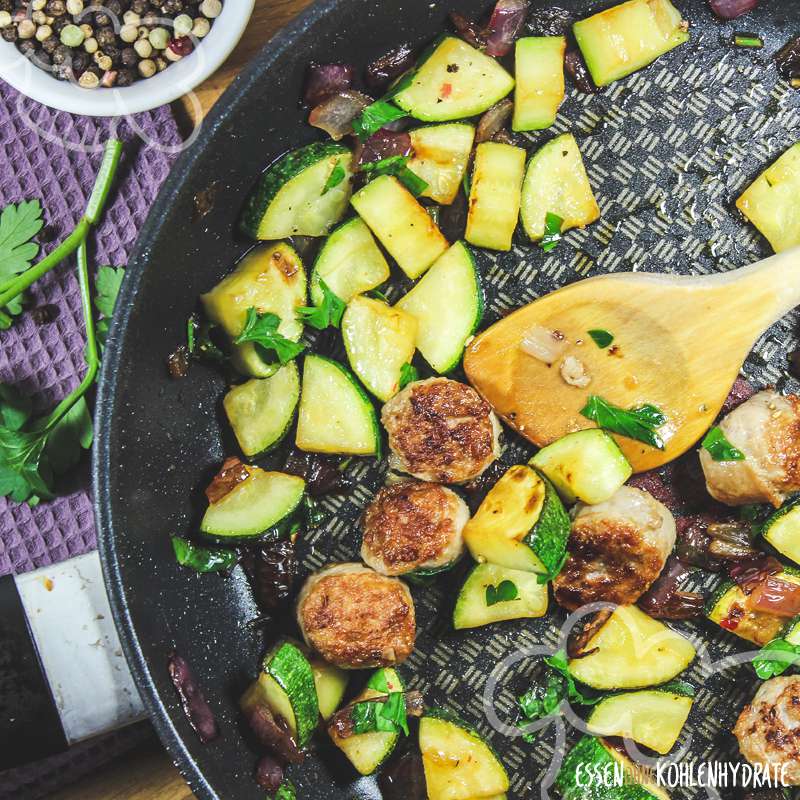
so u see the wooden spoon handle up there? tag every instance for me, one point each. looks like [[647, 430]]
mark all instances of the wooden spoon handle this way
[[764, 291]]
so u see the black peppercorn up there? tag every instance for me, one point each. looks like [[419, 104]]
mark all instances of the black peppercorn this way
[[150, 20], [114, 53], [49, 45], [129, 58], [80, 61], [101, 19], [139, 6], [173, 6], [62, 71], [114, 8], [27, 47], [7, 5], [41, 59], [62, 54], [105, 37], [9, 33], [55, 8], [125, 77], [59, 23]]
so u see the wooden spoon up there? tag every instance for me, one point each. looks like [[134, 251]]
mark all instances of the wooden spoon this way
[[679, 343]]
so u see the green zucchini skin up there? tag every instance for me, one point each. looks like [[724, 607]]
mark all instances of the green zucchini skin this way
[[549, 536], [271, 182], [787, 514], [590, 753]]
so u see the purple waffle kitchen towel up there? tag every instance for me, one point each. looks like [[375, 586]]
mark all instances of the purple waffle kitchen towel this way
[[53, 156]]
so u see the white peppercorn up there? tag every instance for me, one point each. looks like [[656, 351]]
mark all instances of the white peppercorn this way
[[5, 19], [129, 33], [43, 32], [143, 48], [90, 45], [103, 61], [88, 30], [211, 8], [182, 26], [159, 38], [26, 29], [161, 64], [131, 18], [38, 5], [74, 7], [39, 17], [88, 80], [201, 27], [147, 68], [171, 55]]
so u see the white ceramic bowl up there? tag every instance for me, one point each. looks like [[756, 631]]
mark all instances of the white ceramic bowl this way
[[176, 80]]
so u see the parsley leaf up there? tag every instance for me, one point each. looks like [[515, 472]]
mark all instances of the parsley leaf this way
[[19, 223], [324, 315], [15, 408], [382, 714], [262, 329], [408, 374], [719, 447], [502, 593], [639, 423], [544, 700], [107, 284], [377, 294], [601, 337], [286, 791], [548, 576], [397, 166], [202, 559], [335, 178], [72, 432], [552, 231], [374, 117], [775, 658]]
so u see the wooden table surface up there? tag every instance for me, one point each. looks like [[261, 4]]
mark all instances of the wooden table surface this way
[[148, 773]]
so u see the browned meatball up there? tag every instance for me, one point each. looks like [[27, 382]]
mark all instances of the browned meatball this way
[[441, 430], [617, 548], [766, 429], [355, 618], [413, 525], [768, 729]]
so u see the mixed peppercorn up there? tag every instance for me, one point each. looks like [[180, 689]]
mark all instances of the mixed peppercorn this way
[[114, 43]]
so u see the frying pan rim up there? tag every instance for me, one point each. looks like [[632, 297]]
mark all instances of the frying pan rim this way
[[233, 96]]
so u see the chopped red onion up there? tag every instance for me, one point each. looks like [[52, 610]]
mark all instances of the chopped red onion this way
[[504, 26], [494, 120], [324, 80], [468, 30], [336, 114], [269, 774], [273, 736], [748, 574], [579, 72], [775, 596], [194, 704], [663, 600], [384, 144], [389, 66], [731, 9], [544, 344]]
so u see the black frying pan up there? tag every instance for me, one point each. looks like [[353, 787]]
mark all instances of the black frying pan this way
[[668, 150]]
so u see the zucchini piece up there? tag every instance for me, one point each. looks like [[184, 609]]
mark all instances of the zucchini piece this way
[[350, 262], [556, 182], [521, 523], [586, 465], [290, 198], [401, 224], [260, 507], [593, 758], [286, 686], [727, 606], [441, 156], [539, 73], [652, 717], [269, 278], [331, 684], [458, 763], [471, 610], [632, 651], [792, 631], [335, 415], [444, 327], [494, 195], [628, 37], [782, 529], [770, 202], [261, 410], [367, 751], [379, 340], [454, 81]]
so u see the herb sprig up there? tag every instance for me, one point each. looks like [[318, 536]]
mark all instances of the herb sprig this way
[[262, 329], [552, 231], [640, 423], [504, 592], [397, 166], [328, 313], [775, 658], [719, 448], [374, 117]]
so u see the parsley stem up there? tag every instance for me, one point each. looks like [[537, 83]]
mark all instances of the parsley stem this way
[[94, 208], [92, 358]]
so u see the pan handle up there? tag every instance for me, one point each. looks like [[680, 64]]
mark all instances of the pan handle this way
[[63, 677]]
